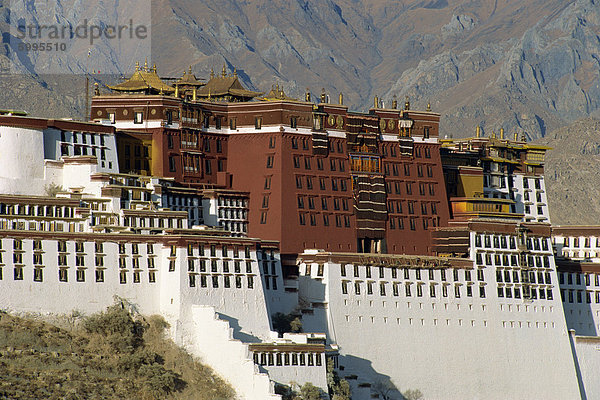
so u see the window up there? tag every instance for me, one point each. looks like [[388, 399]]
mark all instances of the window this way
[[306, 163], [62, 275], [172, 166], [38, 275], [357, 287], [232, 123], [270, 162], [138, 117], [18, 274], [80, 275], [99, 275], [257, 122]]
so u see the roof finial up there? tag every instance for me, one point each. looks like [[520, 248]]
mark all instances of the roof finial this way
[[307, 95], [212, 73], [394, 102], [190, 69], [428, 106], [154, 68], [146, 65], [137, 65], [235, 72], [224, 72], [407, 104]]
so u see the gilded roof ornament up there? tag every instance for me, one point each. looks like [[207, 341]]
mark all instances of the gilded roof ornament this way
[[224, 72], [277, 93], [143, 80], [428, 106], [407, 104], [212, 73], [394, 102]]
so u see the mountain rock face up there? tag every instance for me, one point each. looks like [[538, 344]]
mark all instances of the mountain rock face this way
[[573, 173], [528, 66]]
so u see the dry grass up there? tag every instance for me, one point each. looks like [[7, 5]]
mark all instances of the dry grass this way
[[110, 357]]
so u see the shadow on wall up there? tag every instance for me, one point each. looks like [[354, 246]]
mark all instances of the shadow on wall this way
[[238, 334], [367, 383], [577, 305], [311, 306], [577, 366]]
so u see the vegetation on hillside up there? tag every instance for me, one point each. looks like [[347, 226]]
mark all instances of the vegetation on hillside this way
[[110, 356], [284, 323]]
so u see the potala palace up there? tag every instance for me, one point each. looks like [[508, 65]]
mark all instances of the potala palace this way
[[426, 262]]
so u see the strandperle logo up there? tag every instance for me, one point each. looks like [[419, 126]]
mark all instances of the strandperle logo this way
[[85, 30], [49, 37]]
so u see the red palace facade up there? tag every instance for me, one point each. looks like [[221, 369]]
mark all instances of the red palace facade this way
[[318, 175]]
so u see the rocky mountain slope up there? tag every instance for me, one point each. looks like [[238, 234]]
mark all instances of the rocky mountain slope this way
[[530, 66], [573, 173]]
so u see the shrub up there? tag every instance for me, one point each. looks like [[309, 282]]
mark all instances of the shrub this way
[[160, 381], [121, 331]]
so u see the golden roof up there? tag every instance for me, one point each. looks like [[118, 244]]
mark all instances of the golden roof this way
[[189, 79], [144, 79], [225, 85], [276, 93]]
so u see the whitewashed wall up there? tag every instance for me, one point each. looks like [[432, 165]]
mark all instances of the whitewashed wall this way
[[450, 348]]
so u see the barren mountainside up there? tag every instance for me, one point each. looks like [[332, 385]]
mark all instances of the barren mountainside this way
[[529, 66], [573, 173]]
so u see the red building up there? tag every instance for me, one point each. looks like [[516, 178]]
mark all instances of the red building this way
[[318, 175]]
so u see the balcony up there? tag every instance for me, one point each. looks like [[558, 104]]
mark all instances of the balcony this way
[[369, 164], [464, 208]]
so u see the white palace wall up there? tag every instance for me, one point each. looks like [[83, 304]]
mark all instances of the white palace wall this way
[[21, 160], [51, 295], [587, 349], [449, 347]]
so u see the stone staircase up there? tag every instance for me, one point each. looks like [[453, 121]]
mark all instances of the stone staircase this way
[[211, 339]]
